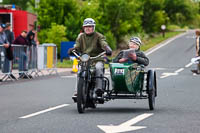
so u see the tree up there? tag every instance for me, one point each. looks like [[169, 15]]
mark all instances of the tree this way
[[55, 34], [21, 3], [120, 17], [153, 15], [180, 12]]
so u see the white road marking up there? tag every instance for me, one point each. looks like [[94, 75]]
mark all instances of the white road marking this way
[[164, 75], [158, 68], [44, 111], [69, 76], [126, 126], [188, 65], [179, 70]]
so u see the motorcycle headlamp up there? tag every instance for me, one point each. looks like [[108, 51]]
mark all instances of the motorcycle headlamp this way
[[85, 57]]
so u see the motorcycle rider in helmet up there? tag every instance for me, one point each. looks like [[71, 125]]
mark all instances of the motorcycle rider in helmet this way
[[92, 43]]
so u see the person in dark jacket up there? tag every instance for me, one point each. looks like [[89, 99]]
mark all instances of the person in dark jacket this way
[[4, 46], [9, 51], [9, 33], [21, 40], [133, 54]]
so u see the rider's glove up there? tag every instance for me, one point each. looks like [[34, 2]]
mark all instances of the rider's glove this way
[[70, 51], [108, 50]]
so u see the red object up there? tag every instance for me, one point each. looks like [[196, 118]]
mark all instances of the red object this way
[[20, 20]]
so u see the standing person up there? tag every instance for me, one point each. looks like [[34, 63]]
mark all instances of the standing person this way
[[10, 37], [33, 49], [92, 43], [21, 40], [9, 33], [197, 32], [4, 42]]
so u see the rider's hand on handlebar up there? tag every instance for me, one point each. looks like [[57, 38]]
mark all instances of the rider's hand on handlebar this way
[[108, 50], [70, 51]]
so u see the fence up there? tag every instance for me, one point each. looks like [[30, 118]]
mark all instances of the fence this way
[[28, 62]]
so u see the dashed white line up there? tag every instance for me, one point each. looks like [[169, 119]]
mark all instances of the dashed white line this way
[[69, 76], [179, 70], [188, 65], [44, 111]]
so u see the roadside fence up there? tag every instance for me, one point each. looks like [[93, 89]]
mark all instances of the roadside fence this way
[[28, 61]]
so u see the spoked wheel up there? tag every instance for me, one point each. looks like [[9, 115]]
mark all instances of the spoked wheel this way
[[151, 88], [81, 96]]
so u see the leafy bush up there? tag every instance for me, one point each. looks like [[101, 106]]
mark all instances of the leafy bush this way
[[111, 40], [55, 35]]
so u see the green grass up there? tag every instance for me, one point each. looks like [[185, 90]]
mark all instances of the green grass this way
[[149, 43], [65, 64]]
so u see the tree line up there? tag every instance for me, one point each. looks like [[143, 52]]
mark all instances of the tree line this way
[[117, 19]]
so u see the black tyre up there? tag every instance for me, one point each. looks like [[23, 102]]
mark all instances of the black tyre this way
[[81, 96], [151, 88]]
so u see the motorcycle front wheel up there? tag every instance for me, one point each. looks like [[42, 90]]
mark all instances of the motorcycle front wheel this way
[[81, 96]]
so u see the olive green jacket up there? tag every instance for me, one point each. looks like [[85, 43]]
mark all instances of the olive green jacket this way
[[91, 44]]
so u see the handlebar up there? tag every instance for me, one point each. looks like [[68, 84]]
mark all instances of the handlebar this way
[[98, 55], [74, 51]]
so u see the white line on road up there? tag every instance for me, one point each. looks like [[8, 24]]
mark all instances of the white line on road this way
[[69, 76], [44, 111], [188, 65], [179, 70]]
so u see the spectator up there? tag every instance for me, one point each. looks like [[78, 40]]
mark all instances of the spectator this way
[[21, 40], [197, 32], [4, 42], [33, 50], [10, 37], [9, 33], [33, 33]]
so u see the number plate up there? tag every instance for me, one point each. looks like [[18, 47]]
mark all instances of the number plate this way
[[119, 71]]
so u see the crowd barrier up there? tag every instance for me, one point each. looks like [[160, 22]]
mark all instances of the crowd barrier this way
[[28, 61]]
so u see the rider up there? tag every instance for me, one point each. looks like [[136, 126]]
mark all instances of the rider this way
[[133, 54], [92, 43]]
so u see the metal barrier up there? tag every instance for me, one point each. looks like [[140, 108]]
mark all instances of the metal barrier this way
[[47, 57], [27, 61]]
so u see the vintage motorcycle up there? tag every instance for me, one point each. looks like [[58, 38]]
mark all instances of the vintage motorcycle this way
[[86, 83], [127, 83]]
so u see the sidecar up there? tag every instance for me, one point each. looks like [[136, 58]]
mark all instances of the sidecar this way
[[133, 81]]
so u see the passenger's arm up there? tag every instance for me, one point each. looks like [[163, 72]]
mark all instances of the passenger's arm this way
[[142, 59]]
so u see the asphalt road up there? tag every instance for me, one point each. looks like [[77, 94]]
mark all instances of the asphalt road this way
[[44, 105]]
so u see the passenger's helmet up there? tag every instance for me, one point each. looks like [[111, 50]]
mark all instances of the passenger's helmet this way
[[89, 22], [136, 40]]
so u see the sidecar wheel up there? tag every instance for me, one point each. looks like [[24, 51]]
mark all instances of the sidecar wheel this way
[[81, 96], [151, 88]]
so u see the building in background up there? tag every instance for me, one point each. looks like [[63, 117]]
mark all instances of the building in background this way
[[19, 19]]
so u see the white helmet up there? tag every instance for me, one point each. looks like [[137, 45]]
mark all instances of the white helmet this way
[[136, 40], [89, 22]]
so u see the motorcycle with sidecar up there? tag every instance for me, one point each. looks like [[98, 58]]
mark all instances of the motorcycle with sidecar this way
[[129, 81]]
